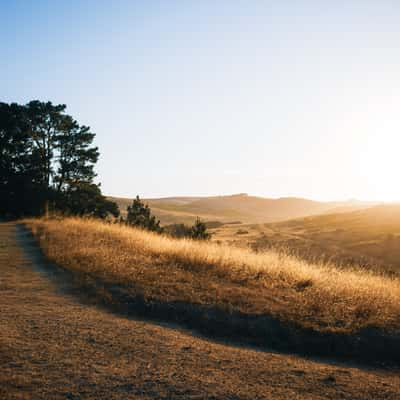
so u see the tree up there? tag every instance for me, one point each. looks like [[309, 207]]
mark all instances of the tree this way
[[139, 214], [199, 230], [47, 158], [86, 199], [21, 191], [64, 149]]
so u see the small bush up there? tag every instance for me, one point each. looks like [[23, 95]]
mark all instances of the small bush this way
[[139, 215], [198, 231], [178, 230]]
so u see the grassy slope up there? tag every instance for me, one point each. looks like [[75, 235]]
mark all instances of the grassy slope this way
[[317, 296], [370, 237]]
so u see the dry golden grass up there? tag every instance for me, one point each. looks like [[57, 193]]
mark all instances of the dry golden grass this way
[[159, 268]]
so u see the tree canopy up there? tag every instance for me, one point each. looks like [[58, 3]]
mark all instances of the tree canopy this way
[[47, 160]]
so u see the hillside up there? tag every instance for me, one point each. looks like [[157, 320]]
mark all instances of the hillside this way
[[238, 207], [270, 299], [370, 237]]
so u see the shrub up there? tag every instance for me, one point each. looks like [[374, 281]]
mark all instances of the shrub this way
[[178, 230], [198, 231], [139, 214]]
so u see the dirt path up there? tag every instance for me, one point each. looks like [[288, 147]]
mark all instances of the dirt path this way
[[54, 345]]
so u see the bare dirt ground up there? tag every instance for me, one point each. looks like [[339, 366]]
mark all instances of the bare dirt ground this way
[[55, 344]]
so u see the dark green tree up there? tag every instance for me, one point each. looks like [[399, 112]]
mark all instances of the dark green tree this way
[[139, 214], [21, 189], [76, 157], [48, 158], [199, 230], [86, 199]]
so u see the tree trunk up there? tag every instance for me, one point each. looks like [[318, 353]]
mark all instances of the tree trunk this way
[[46, 208]]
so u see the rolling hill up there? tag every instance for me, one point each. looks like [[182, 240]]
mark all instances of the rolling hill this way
[[237, 207], [369, 237]]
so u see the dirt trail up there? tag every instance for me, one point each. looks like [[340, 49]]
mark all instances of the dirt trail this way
[[54, 345]]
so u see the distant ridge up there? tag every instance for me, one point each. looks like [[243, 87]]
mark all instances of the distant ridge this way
[[239, 207]]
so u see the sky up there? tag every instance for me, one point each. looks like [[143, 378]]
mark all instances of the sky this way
[[271, 98]]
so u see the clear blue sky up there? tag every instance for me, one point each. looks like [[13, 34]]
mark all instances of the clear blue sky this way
[[273, 98]]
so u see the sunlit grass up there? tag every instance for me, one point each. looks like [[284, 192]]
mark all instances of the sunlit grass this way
[[318, 296]]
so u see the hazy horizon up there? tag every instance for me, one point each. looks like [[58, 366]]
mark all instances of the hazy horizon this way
[[283, 99], [349, 200]]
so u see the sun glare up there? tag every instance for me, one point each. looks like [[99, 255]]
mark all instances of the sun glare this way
[[379, 166]]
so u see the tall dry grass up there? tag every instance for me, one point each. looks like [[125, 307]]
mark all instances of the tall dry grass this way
[[159, 268]]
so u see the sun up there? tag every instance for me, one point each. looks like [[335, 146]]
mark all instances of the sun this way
[[379, 166]]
